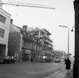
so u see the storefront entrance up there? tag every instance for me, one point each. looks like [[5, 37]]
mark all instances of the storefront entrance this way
[[27, 55]]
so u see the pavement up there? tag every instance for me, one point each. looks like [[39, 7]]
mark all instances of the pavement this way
[[63, 73]]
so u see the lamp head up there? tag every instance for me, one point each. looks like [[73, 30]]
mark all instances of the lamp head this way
[[72, 30]]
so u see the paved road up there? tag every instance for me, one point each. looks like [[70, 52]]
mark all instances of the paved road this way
[[28, 70]]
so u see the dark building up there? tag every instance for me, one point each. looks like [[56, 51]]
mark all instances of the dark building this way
[[15, 42]]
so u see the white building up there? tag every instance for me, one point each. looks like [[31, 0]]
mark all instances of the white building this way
[[5, 18]]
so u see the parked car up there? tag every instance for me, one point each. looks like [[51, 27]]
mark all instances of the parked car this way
[[7, 59], [49, 59], [42, 59], [46, 59], [57, 60]]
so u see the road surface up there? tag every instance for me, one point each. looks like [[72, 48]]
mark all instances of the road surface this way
[[28, 69]]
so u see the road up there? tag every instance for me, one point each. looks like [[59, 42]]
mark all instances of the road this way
[[28, 69]]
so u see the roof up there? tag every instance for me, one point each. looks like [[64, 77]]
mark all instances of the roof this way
[[47, 39], [37, 29], [47, 32]]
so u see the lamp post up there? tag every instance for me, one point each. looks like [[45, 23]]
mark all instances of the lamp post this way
[[68, 36], [72, 28]]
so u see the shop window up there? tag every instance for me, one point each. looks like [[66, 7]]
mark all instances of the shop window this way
[[2, 19], [2, 33]]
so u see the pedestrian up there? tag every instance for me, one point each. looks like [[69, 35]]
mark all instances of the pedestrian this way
[[68, 64]]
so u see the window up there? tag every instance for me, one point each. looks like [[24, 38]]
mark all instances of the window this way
[[2, 32], [2, 19], [42, 33], [36, 32]]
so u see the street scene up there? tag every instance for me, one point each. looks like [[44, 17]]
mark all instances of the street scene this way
[[39, 39]]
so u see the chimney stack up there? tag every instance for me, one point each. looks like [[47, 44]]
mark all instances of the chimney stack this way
[[24, 28]]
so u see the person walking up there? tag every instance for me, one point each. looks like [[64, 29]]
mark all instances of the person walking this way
[[68, 64]]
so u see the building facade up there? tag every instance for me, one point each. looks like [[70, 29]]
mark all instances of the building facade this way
[[29, 45], [46, 53], [36, 44], [5, 18], [15, 42]]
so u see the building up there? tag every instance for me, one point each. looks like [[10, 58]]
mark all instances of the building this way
[[15, 42], [46, 44], [29, 44], [36, 44], [29, 47], [5, 18]]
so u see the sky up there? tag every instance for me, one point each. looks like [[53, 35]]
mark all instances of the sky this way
[[63, 14]]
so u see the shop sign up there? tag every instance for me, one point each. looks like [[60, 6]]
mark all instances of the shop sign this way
[[28, 51]]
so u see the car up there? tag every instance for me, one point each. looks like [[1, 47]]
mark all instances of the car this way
[[8, 59], [46, 59], [57, 60], [49, 59]]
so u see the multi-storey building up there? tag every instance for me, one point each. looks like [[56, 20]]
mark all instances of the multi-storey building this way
[[36, 44], [5, 18], [46, 43]]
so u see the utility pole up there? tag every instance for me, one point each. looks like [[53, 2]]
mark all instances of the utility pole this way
[[76, 61]]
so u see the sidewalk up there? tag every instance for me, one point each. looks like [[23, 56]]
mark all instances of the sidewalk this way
[[61, 74], [69, 74]]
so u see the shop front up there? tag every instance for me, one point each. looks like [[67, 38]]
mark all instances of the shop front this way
[[27, 55]]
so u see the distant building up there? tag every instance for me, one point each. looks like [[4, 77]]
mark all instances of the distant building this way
[[5, 18]]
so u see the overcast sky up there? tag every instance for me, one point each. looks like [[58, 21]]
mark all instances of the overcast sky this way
[[63, 14]]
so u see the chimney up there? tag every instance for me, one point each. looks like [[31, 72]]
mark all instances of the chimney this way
[[11, 21], [24, 28], [0, 4]]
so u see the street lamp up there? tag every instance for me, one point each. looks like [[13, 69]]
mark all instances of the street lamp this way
[[74, 34], [68, 36], [72, 28]]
